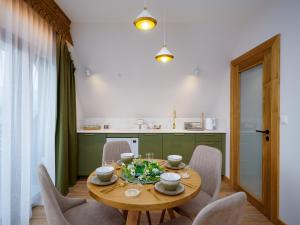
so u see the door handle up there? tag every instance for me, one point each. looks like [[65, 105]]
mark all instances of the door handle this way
[[263, 131]]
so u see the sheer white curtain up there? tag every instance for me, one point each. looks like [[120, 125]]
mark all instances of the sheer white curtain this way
[[27, 108]]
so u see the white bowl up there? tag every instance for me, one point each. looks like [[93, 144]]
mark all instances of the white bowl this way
[[105, 173], [170, 181], [104, 170], [174, 160], [127, 155]]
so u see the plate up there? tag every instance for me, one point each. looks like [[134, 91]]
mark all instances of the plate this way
[[95, 180], [160, 188], [179, 167]]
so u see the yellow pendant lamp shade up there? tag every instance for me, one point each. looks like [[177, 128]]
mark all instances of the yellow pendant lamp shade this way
[[145, 21], [164, 55]]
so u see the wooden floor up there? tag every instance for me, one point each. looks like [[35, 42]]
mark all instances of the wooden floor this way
[[252, 216]]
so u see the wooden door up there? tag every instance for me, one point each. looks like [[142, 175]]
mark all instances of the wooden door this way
[[255, 126]]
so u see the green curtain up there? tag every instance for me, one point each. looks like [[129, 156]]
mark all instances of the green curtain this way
[[66, 133]]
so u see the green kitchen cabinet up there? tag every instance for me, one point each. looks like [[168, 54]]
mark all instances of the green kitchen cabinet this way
[[151, 143], [215, 140], [179, 143], [90, 148]]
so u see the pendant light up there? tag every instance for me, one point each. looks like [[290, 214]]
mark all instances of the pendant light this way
[[145, 21], [164, 55]]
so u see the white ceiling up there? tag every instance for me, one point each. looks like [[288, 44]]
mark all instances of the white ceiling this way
[[183, 11]]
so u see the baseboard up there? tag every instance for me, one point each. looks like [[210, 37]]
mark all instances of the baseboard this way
[[280, 222]]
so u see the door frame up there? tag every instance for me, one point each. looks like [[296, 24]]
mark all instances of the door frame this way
[[252, 58]]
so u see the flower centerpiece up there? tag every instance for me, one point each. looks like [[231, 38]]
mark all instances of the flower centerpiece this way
[[142, 171]]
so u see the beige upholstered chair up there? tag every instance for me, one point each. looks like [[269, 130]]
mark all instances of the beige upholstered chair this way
[[225, 211], [207, 161], [112, 150], [61, 210]]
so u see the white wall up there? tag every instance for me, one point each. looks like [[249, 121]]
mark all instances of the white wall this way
[[128, 83], [283, 17], [146, 88]]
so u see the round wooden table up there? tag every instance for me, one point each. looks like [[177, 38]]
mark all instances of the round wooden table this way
[[148, 200]]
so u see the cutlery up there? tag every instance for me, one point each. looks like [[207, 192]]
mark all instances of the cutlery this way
[[188, 185], [107, 190]]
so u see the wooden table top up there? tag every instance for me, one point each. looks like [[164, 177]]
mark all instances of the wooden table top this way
[[146, 201]]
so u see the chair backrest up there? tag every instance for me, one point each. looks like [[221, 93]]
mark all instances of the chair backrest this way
[[207, 161], [113, 149], [225, 211], [53, 200]]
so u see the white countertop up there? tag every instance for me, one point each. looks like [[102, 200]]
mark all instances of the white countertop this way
[[136, 131]]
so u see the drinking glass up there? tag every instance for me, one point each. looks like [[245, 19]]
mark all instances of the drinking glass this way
[[109, 163], [149, 156]]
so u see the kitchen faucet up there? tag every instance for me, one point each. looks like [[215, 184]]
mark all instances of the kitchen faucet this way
[[174, 119]]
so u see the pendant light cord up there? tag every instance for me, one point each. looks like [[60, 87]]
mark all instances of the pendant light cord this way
[[145, 4], [164, 26]]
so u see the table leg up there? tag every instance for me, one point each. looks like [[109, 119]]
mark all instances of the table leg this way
[[133, 218], [162, 216], [148, 218], [171, 214]]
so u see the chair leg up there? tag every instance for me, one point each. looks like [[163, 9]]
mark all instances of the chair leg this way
[[171, 214], [162, 216], [125, 213], [148, 217]]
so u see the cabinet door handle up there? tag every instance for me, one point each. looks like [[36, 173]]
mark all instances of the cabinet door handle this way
[[208, 134], [179, 134], [150, 134], [89, 134]]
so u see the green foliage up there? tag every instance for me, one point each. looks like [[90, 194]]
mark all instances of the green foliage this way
[[142, 171]]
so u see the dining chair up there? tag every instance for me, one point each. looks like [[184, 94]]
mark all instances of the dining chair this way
[[207, 161], [225, 211], [113, 150], [61, 210]]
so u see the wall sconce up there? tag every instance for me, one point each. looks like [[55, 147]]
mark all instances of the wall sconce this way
[[87, 71], [196, 71]]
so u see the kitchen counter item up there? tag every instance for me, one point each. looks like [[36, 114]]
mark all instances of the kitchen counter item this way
[[194, 126], [91, 127], [210, 123]]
